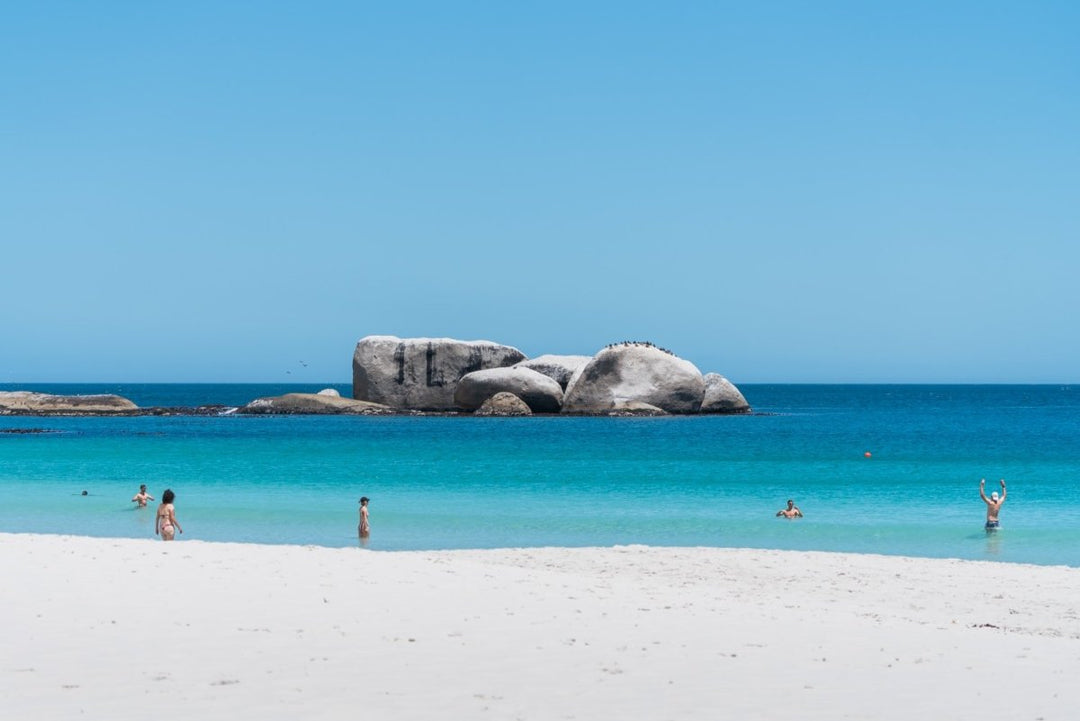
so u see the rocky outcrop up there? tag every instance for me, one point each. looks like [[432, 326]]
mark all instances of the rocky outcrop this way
[[635, 372], [421, 373], [329, 392], [503, 404], [27, 431], [721, 396], [636, 408], [559, 368], [28, 402], [540, 393], [311, 404]]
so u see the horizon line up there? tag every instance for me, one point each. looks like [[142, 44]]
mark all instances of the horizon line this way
[[742, 383]]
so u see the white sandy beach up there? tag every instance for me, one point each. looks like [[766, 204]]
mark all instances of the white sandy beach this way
[[131, 629]]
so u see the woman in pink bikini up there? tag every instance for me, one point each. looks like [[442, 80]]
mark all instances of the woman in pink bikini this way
[[365, 523], [166, 524]]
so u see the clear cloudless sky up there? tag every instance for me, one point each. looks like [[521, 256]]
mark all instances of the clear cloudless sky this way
[[776, 191]]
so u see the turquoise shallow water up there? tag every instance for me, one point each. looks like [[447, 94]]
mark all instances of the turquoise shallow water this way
[[443, 482]]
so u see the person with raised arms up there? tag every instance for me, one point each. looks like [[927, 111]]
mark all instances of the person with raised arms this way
[[993, 505]]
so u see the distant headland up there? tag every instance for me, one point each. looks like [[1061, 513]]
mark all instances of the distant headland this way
[[445, 376]]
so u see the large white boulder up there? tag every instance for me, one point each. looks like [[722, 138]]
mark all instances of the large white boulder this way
[[721, 396], [421, 373], [638, 372], [559, 368], [540, 393]]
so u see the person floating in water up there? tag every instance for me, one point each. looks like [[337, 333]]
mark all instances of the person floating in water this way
[[365, 523], [166, 524], [142, 497], [792, 511], [993, 505]]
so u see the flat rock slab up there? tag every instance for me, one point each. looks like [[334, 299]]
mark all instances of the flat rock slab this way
[[44, 403], [311, 404]]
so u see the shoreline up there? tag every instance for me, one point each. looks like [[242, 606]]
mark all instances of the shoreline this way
[[112, 627], [549, 547], [615, 548]]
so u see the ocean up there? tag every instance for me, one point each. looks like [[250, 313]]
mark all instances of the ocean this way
[[463, 482]]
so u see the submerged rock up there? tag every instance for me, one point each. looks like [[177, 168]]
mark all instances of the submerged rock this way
[[28, 431], [539, 392], [503, 404], [721, 396], [421, 373], [635, 372]]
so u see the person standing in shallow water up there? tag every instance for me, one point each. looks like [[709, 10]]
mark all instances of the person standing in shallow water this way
[[792, 511], [166, 524], [142, 497], [365, 523], [993, 505]]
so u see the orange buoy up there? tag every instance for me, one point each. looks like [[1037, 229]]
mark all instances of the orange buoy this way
[[867, 454]]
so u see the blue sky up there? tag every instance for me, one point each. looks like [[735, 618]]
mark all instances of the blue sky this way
[[777, 191]]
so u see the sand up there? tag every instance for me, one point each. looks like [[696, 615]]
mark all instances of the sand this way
[[131, 629]]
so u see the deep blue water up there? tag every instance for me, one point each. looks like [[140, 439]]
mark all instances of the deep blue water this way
[[461, 482]]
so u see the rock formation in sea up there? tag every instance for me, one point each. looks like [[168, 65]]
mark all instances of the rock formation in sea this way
[[421, 373], [29, 402], [541, 393], [640, 372], [313, 404], [721, 396], [445, 375], [503, 404], [559, 368]]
